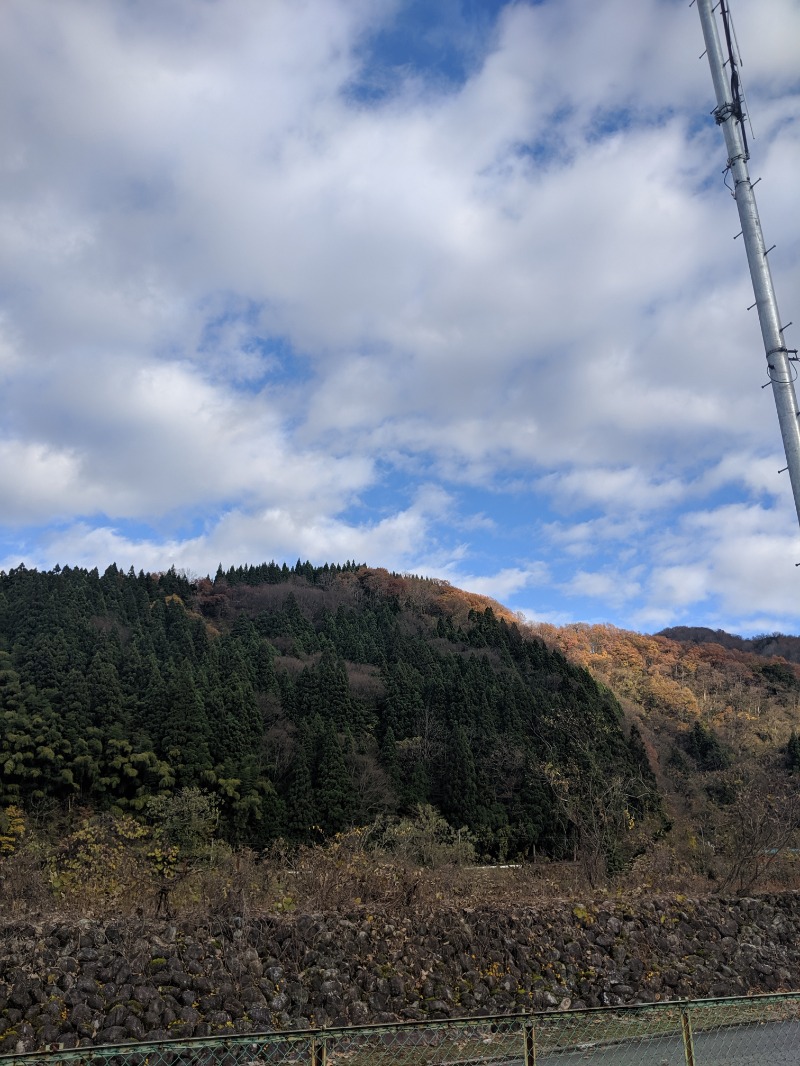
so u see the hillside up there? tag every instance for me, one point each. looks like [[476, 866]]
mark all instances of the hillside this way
[[303, 701], [719, 719], [749, 697], [276, 707], [768, 645]]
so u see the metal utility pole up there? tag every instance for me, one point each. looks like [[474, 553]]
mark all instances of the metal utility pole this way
[[729, 113]]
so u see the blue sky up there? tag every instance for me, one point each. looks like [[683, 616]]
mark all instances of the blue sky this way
[[444, 287]]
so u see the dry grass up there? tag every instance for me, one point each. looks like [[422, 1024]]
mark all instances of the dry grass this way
[[100, 875]]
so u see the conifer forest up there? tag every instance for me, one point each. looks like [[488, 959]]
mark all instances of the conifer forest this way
[[305, 701]]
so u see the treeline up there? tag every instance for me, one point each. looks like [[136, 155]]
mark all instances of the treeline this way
[[273, 573], [768, 644], [305, 701]]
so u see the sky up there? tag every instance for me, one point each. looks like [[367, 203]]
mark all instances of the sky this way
[[448, 288]]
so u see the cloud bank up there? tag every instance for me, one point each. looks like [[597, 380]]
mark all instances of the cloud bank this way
[[457, 297]]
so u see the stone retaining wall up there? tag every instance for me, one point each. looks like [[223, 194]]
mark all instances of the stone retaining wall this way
[[69, 983]]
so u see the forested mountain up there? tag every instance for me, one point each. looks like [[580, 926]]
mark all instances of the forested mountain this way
[[306, 700], [719, 717], [747, 695], [768, 644]]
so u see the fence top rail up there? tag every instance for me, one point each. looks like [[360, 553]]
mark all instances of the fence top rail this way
[[88, 1052]]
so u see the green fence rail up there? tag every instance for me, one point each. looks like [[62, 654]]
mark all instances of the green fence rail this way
[[709, 1032]]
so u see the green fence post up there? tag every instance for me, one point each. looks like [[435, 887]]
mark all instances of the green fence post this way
[[688, 1039], [529, 1039]]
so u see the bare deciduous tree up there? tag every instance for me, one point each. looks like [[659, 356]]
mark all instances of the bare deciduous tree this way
[[757, 827]]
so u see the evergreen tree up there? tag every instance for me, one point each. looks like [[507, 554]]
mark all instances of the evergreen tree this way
[[459, 787], [706, 749], [107, 705], [332, 690], [184, 734], [333, 788], [76, 703], [301, 813], [118, 687]]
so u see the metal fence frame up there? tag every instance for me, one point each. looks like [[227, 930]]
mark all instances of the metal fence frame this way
[[642, 1031]]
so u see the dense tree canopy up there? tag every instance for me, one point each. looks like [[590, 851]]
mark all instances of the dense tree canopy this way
[[303, 699]]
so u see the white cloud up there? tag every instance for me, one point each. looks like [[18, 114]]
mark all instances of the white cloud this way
[[404, 540], [505, 583], [145, 440], [620, 490], [615, 587], [734, 563], [533, 615], [578, 539], [234, 290], [680, 586]]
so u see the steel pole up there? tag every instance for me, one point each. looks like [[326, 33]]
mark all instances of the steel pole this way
[[780, 366]]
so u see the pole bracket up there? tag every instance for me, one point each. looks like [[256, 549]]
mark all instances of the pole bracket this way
[[724, 111]]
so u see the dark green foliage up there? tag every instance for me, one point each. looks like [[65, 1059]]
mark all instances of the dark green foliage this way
[[793, 753], [314, 699], [273, 574], [184, 733], [459, 802], [706, 749], [333, 788], [781, 678], [533, 817], [106, 707], [290, 622], [301, 814]]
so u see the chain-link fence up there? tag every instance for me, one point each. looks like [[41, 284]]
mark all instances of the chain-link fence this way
[[712, 1032]]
